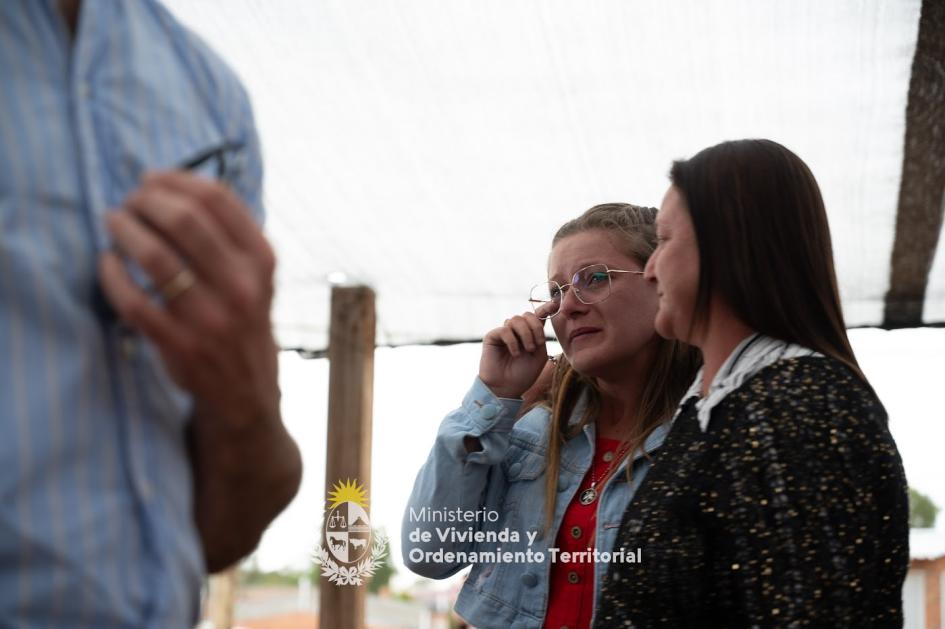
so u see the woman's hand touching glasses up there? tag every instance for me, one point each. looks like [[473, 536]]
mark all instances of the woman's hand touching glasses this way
[[513, 355]]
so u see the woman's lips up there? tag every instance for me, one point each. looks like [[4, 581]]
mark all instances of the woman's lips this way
[[582, 332]]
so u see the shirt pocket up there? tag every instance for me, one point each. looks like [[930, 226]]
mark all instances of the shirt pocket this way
[[522, 463], [524, 469], [521, 511], [210, 156]]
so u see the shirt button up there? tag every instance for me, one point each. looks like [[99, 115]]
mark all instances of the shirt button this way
[[608, 457], [573, 577], [514, 469], [529, 580], [576, 532], [489, 411], [129, 346], [563, 484]]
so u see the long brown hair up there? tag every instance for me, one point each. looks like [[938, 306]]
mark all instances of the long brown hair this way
[[764, 243], [633, 230]]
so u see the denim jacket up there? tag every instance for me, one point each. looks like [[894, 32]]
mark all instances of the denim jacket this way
[[505, 482]]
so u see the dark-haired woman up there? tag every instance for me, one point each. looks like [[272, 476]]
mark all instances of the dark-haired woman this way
[[557, 480], [778, 498]]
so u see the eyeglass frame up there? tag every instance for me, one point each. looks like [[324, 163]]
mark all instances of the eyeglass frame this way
[[577, 292]]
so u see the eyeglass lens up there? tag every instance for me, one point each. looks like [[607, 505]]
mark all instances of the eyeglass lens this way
[[591, 285]]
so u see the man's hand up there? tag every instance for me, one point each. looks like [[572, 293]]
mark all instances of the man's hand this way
[[213, 271], [213, 329]]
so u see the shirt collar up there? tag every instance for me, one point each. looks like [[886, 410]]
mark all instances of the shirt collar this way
[[652, 442], [750, 356]]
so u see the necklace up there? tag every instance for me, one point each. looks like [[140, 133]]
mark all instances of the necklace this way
[[589, 495]]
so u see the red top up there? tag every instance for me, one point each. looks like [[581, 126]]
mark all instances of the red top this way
[[571, 592]]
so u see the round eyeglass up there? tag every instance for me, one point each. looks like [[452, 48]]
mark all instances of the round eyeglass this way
[[591, 285]]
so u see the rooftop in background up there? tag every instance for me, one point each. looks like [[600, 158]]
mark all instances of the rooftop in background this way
[[926, 544]]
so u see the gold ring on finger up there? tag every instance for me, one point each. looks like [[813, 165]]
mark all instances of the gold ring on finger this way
[[178, 285]]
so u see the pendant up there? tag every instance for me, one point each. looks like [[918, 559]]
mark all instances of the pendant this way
[[588, 496]]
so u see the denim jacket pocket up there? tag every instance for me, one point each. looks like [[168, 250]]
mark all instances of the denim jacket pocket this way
[[522, 463], [523, 468]]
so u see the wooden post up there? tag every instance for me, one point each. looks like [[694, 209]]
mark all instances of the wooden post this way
[[921, 203], [220, 598], [350, 406]]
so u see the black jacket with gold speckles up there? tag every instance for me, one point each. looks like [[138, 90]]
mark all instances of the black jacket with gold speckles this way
[[790, 510]]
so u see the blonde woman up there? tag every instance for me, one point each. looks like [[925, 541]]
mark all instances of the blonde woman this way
[[527, 502]]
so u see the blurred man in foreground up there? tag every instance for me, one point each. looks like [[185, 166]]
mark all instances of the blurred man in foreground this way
[[139, 403]]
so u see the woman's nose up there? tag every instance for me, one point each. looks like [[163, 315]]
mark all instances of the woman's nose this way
[[649, 271], [569, 301]]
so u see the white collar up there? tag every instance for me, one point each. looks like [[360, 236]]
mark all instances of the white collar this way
[[749, 357]]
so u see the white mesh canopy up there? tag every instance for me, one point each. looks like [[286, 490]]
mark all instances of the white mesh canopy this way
[[430, 149]]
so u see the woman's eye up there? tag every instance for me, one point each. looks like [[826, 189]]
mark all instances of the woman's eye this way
[[597, 277]]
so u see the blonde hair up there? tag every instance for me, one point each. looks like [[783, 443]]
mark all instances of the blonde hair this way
[[673, 369]]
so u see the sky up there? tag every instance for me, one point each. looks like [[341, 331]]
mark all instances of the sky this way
[[416, 386]]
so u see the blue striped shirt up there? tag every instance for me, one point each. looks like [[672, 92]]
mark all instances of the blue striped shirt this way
[[96, 514]]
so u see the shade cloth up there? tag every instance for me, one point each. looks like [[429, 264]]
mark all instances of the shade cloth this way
[[430, 149]]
